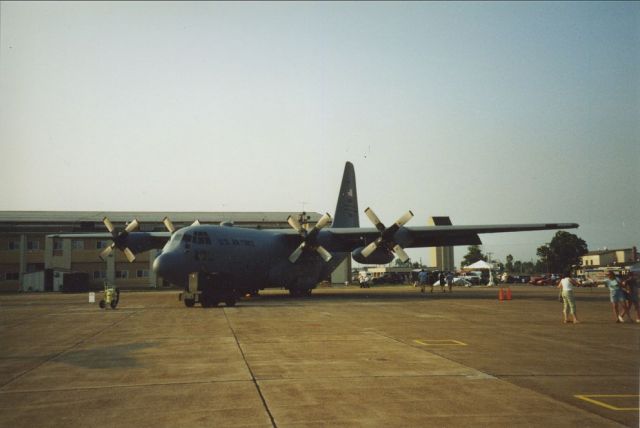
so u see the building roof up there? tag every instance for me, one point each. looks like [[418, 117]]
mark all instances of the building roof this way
[[142, 216], [54, 221], [601, 252]]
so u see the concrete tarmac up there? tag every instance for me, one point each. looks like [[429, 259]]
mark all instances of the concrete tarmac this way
[[386, 356]]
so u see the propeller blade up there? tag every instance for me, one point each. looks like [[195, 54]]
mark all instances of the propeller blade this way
[[404, 219], [400, 253], [326, 256], [169, 225], [293, 222], [132, 226], [196, 223], [108, 224], [324, 220], [374, 219], [296, 253], [105, 253], [366, 251], [129, 254]]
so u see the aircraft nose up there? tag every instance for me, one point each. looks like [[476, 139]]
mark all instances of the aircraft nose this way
[[163, 264]]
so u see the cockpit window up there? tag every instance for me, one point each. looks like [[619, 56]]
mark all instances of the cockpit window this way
[[187, 241], [201, 238]]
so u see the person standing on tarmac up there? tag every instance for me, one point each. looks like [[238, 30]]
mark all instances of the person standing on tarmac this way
[[615, 294], [449, 281], [630, 287], [568, 300], [442, 280], [423, 277]]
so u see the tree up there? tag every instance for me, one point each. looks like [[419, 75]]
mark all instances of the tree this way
[[474, 254], [400, 263], [509, 265], [528, 268], [562, 252], [517, 266]]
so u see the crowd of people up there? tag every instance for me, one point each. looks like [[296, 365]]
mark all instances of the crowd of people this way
[[623, 292], [425, 279], [623, 295]]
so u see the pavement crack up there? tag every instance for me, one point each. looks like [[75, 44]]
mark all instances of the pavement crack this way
[[253, 377]]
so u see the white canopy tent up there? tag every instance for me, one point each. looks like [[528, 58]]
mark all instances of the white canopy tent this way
[[481, 264]]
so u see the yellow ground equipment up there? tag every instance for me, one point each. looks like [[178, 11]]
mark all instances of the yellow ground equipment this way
[[111, 296]]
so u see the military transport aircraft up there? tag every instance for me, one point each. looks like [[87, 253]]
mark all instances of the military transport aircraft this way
[[217, 263]]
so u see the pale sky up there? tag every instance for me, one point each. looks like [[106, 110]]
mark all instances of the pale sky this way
[[490, 113]]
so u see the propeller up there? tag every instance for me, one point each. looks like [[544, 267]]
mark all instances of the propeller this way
[[386, 235], [169, 225], [309, 238], [119, 239]]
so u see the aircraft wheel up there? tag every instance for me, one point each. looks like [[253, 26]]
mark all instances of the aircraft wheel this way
[[113, 304], [189, 302], [102, 304]]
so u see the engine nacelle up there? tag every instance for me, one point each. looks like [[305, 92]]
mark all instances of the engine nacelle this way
[[381, 256]]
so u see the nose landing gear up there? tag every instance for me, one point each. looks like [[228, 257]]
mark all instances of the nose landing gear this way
[[208, 290]]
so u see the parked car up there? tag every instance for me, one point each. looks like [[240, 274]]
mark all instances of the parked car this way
[[473, 279], [388, 278], [542, 280]]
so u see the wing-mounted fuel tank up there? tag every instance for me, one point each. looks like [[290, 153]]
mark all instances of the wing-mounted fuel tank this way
[[380, 256]]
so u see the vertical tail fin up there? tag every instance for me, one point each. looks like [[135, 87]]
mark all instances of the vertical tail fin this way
[[347, 208]]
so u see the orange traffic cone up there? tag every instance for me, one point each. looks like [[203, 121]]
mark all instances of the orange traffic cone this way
[[508, 293], [500, 295]]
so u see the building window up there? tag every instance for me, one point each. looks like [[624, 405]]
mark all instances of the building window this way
[[100, 244], [57, 245], [13, 245], [99, 274], [122, 274], [12, 276], [33, 245], [77, 244], [142, 273]]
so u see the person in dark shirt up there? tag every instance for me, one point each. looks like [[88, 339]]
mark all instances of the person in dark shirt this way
[[630, 291]]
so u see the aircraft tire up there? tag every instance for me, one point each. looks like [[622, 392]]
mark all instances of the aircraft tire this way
[[189, 302], [113, 304], [102, 304]]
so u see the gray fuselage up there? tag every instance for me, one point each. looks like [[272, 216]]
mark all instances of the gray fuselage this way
[[248, 259]]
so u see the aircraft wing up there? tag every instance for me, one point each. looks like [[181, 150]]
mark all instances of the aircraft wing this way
[[348, 239], [160, 236], [137, 242]]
